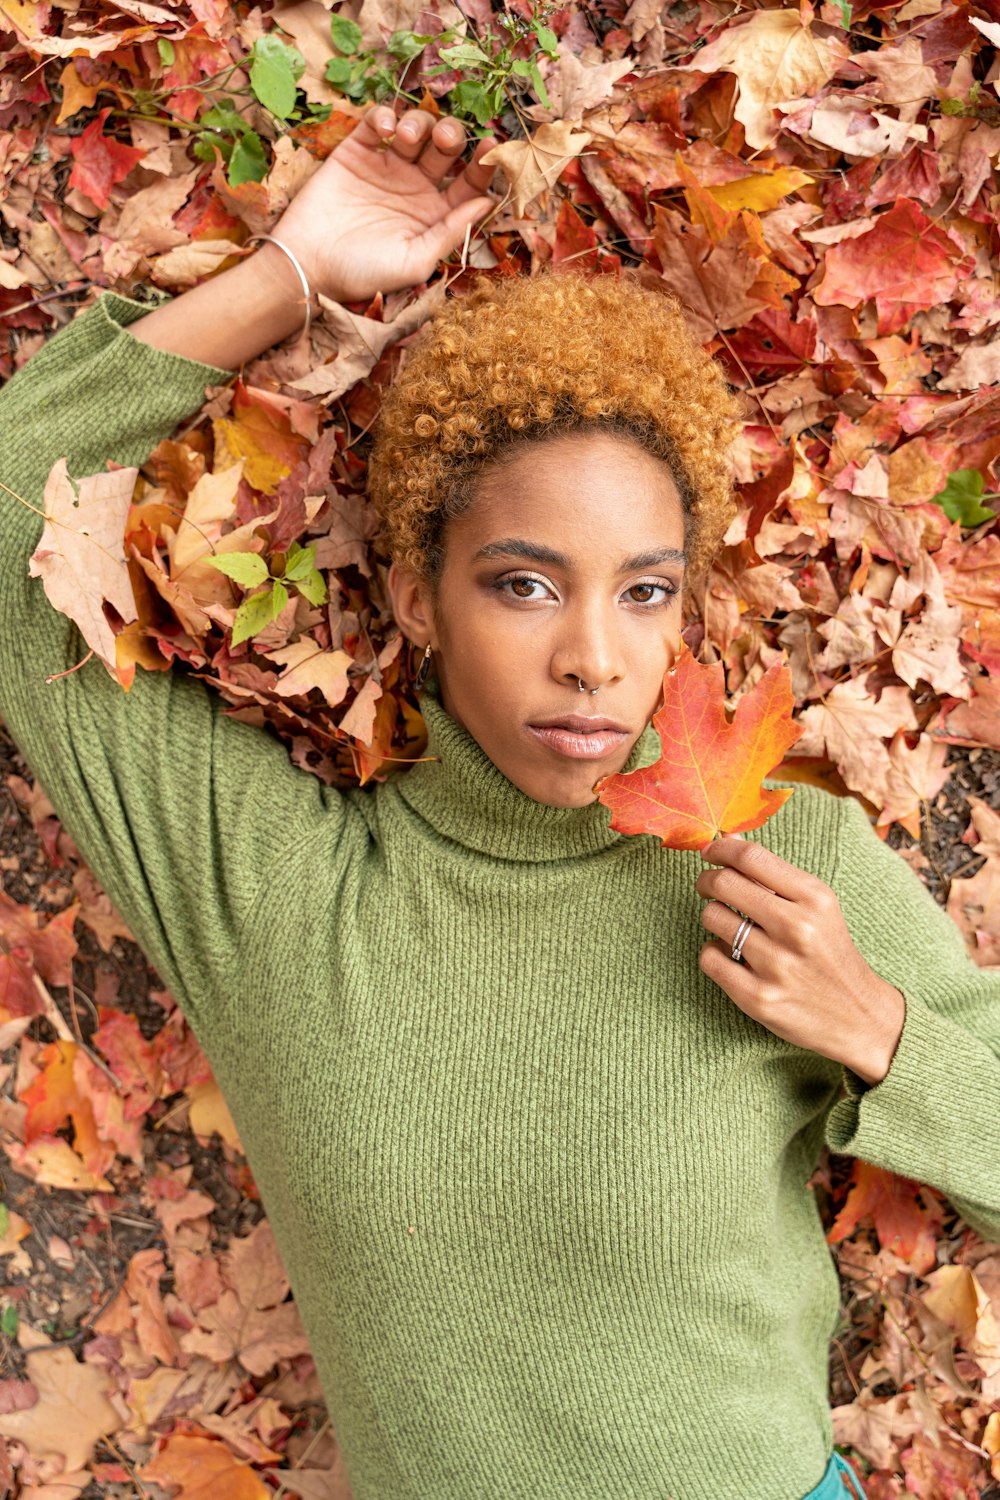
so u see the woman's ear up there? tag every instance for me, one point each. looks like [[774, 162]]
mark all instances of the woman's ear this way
[[412, 606]]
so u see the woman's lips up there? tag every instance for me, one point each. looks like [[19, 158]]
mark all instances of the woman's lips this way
[[578, 744]]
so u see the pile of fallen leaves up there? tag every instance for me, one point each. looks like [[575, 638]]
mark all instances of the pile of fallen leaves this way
[[818, 187]]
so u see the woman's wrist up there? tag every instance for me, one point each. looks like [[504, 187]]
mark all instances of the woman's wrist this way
[[234, 316]]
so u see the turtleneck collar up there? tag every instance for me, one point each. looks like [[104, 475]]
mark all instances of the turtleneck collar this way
[[464, 797]]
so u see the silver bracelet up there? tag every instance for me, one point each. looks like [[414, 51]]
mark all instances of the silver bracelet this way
[[306, 289]]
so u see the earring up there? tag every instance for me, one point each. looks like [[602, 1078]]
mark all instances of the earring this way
[[423, 669]]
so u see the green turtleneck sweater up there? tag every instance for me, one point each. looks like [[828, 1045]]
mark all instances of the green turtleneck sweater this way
[[539, 1185]]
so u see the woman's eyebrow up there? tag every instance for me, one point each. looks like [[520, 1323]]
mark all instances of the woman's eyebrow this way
[[653, 559], [512, 546]]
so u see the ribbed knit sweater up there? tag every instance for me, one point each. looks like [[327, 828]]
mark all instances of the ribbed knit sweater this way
[[539, 1185]]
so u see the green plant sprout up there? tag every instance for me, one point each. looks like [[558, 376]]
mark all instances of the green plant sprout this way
[[249, 570], [489, 63], [491, 73]]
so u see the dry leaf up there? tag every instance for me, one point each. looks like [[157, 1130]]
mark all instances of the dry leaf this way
[[199, 1468], [533, 164], [72, 1411], [777, 60], [79, 557]]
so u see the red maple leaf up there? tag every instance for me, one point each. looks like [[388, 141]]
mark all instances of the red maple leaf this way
[[908, 262], [99, 161], [708, 778]]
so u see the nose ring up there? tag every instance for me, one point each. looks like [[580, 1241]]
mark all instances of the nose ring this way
[[583, 689]]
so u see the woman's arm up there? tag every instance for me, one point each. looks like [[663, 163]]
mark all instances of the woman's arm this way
[[868, 971], [172, 803]]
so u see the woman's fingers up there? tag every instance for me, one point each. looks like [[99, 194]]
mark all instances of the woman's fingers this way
[[444, 146], [724, 923], [474, 182], [738, 891], [413, 129], [375, 127], [760, 864]]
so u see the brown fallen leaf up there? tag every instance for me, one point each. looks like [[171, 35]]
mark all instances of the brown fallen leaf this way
[[974, 900], [913, 781], [531, 165], [251, 1321], [849, 726], [306, 667], [361, 342], [80, 558], [776, 60], [72, 1411]]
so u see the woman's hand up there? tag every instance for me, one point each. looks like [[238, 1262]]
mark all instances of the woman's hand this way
[[800, 974], [375, 217]]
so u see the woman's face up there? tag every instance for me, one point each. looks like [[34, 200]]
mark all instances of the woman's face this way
[[568, 564]]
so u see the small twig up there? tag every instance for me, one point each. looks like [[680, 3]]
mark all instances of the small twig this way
[[282, 1487], [109, 1443], [847, 1365], [55, 1018], [81, 1212], [52, 1012], [45, 297]]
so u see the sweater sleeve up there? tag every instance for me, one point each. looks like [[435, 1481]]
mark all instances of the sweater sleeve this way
[[935, 1117], [180, 810]]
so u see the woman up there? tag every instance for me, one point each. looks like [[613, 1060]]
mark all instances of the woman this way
[[534, 1137]]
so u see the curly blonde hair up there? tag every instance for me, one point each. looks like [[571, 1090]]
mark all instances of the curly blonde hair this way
[[529, 358]]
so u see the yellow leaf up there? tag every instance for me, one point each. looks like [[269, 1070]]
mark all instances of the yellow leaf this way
[[260, 434], [761, 191], [991, 1442], [132, 647], [211, 502], [210, 1113], [24, 15]]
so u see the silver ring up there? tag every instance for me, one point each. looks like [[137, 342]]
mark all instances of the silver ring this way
[[740, 938], [583, 689]]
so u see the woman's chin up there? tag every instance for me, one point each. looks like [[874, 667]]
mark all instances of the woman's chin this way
[[569, 784]]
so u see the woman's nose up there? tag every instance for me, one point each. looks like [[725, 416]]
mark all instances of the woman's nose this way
[[590, 652]]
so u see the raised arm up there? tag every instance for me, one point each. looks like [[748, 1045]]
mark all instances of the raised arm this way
[[172, 803], [375, 217]]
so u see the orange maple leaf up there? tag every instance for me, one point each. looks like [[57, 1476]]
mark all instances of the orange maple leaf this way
[[199, 1468], [708, 778], [52, 1096]]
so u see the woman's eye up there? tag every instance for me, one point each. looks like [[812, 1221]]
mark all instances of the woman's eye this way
[[521, 588], [642, 593]]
